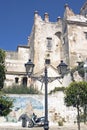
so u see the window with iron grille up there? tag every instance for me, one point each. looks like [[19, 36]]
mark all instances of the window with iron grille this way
[[49, 43]]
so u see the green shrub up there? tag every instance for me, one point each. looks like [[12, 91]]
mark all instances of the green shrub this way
[[20, 90], [6, 104], [60, 123]]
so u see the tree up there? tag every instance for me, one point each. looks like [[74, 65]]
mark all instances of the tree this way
[[6, 104], [76, 96], [74, 89], [2, 68]]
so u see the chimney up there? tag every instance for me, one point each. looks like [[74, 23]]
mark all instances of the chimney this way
[[35, 14], [59, 19], [46, 17], [66, 5]]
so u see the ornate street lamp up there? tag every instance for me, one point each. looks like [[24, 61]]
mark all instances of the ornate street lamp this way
[[62, 68], [29, 68]]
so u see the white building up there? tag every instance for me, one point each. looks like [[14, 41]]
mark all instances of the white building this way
[[65, 39]]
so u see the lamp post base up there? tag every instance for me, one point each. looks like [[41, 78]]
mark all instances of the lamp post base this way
[[46, 125]]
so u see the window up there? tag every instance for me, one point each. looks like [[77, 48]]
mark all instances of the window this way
[[85, 34], [47, 61], [49, 43], [64, 40], [16, 80], [24, 81], [58, 34]]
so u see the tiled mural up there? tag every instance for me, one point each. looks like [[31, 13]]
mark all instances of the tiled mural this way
[[25, 104], [29, 104]]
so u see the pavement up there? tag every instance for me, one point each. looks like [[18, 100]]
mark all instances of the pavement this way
[[11, 126]]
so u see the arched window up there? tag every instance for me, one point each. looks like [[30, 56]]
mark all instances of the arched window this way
[[58, 34]]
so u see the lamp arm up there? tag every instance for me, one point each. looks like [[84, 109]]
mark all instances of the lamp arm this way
[[50, 79], [39, 78]]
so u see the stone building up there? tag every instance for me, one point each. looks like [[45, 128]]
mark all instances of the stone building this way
[[65, 39]]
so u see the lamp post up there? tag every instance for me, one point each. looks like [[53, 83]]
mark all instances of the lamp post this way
[[78, 116], [85, 70], [62, 67], [85, 79]]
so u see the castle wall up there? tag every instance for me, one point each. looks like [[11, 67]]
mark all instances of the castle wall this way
[[44, 31], [65, 39], [75, 36], [11, 55], [15, 65], [31, 44], [77, 40], [65, 45]]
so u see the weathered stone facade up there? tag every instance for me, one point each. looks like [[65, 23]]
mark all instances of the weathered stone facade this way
[[65, 39], [15, 73]]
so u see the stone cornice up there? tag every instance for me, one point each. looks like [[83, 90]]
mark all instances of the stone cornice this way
[[77, 23], [15, 73], [23, 46]]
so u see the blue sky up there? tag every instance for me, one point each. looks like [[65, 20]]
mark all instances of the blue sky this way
[[16, 18]]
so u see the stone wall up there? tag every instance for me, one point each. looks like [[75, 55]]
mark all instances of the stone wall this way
[[35, 103], [75, 32], [42, 31], [15, 65]]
